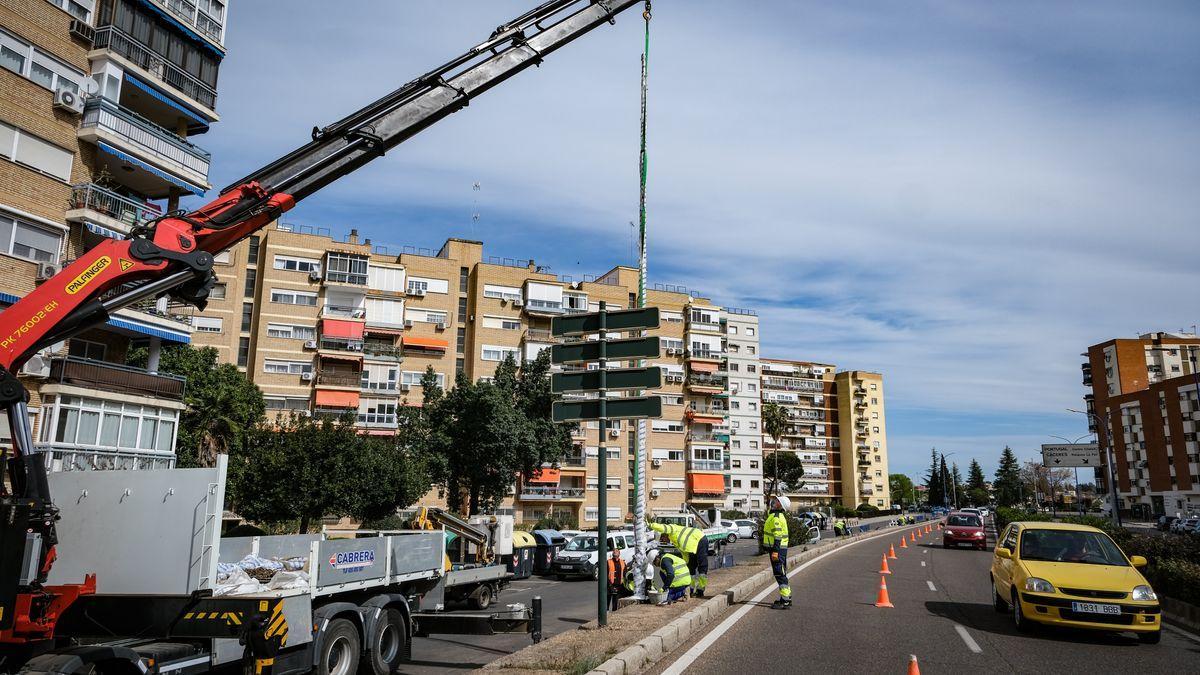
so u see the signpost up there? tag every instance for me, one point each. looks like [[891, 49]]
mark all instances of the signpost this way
[[1071, 455], [601, 381]]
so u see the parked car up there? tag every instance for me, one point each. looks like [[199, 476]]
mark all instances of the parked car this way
[[963, 527], [972, 511], [1184, 524], [570, 534], [1073, 576], [741, 529], [579, 558], [1165, 522], [984, 511]]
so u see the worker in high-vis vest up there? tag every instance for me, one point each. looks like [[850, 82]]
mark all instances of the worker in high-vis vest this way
[[693, 545], [775, 542], [675, 576]]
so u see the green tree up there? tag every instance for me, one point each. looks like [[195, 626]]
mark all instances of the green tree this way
[[222, 405], [977, 494], [901, 488], [1007, 486], [934, 480], [783, 467], [775, 423], [957, 493]]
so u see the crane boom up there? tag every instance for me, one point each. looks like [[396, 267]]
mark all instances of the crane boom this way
[[174, 256]]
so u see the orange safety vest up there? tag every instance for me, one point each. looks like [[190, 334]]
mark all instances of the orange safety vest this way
[[615, 572]]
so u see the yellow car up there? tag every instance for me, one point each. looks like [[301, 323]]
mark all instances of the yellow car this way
[[1074, 576]]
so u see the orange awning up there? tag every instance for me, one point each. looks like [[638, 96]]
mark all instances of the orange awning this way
[[376, 330], [335, 328], [425, 343], [353, 358], [706, 483], [337, 399], [544, 476], [700, 367]]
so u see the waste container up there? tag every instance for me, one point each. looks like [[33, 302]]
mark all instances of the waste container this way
[[548, 544], [521, 562]]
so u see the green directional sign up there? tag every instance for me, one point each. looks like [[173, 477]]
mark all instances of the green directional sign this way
[[595, 380], [613, 408], [613, 350], [617, 321]]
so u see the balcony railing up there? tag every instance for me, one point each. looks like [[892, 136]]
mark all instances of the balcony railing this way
[[116, 377], [186, 11], [711, 354], [341, 345], [706, 381], [539, 335], [573, 460], [382, 351], [530, 492], [702, 437], [377, 421], [66, 457], [707, 465], [338, 379], [545, 306], [148, 137], [108, 203], [110, 37], [710, 410], [343, 312]]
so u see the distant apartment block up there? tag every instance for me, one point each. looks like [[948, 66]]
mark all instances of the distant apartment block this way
[[1143, 392], [102, 100]]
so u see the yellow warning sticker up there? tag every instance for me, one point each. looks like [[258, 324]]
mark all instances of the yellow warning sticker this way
[[87, 276], [125, 264]]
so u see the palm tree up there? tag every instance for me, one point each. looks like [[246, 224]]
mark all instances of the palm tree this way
[[775, 423]]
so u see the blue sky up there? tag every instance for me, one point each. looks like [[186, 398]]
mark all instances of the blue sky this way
[[962, 196]]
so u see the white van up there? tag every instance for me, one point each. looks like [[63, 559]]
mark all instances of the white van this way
[[579, 557]]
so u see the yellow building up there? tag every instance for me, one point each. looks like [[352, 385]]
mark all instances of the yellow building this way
[[863, 436]]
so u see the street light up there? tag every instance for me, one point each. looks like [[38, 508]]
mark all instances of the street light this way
[[1112, 475], [1078, 502]]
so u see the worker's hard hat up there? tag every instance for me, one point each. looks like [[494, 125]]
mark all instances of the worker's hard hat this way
[[780, 502], [652, 555]]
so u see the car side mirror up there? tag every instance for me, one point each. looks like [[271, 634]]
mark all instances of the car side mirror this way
[[1137, 561], [1002, 552]]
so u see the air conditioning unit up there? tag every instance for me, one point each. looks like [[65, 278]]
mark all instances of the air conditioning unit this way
[[419, 292], [405, 387], [656, 463], [654, 494], [72, 102], [615, 433], [408, 323], [46, 270], [311, 344], [36, 366], [518, 303], [314, 275], [82, 30], [307, 377], [440, 326]]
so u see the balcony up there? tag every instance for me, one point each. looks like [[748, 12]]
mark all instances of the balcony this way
[[341, 346], [160, 159], [115, 377], [864, 460], [539, 493], [185, 11], [1087, 374], [100, 206], [377, 421], [67, 457], [343, 312], [538, 335], [707, 465], [709, 438], [573, 461], [335, 378], [706, 383], [388, 352], [548, 307], [119, 42], [860, 404]]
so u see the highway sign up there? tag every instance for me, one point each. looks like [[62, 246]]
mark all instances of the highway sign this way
[[614, 350], [1073, 454], [613, 408], [595, 380], [617, 321]]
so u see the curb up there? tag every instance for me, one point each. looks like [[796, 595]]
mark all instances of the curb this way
[[1181, 614], [645, 653]]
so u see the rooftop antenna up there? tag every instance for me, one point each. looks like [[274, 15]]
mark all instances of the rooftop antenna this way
[[475, 187]]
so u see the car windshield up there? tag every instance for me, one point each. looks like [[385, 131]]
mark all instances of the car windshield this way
[[1089, 548], [582, 543], [961, 520]]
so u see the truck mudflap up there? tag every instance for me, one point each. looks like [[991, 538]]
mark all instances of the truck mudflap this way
[[515, 619]]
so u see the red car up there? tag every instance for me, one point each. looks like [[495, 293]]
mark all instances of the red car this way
[[964, 528]]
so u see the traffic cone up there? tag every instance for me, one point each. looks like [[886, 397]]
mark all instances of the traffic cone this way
[[902, 544], [914, 536], [927, 530], [920, 535], [882, 599], [891, 552], [913, 668], [884, 568]]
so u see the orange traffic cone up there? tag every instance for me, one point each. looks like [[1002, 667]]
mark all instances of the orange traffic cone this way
[[914, 536], [913, 668], [884, 568], [902, 544], [920, 535], [927, 530], [882, 599], [891, 552]]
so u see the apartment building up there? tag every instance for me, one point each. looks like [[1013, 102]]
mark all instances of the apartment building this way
[[101, 98], [745, 421], [326, 325], [862, 437], [836, 428], [1143, 392]]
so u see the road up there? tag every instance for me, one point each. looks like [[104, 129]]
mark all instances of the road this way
[[943, 614]]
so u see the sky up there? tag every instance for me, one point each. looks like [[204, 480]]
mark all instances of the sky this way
[[962, 196]]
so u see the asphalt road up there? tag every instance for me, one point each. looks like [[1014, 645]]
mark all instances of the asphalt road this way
[[943, 614]]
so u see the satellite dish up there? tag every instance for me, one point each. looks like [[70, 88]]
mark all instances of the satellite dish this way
[[90, 86]]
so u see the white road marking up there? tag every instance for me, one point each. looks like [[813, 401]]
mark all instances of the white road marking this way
[[930, 584], [966, 637], [690, 656]]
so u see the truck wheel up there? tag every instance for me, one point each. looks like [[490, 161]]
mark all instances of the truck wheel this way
[[482, 597], [388, 640], [340, 649]]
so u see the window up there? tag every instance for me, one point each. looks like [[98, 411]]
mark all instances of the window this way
[[416, 314], [279, 367], [31, 151], [874, 401], [462, 310], [461, 341], [753, 405], [81, 10], [464, 279], [207, 324], [751, 368], [374, 412], [591, 513], [287, 331], [750, 330], [737, 483], [737, 463], [666, 425], [376, 377], [733, 330], [875, 429], [412, 378], [751, 387], [86, 349], [874, 415], [252, 250], [286, 296], [750, 349], [346, 269], [874, 386], [27, 61], [286, 403], [243, 352], [671, 317], [754, 464], [502, 292], [753, 445], [290, 264], [31, 242], [251, 280], [737, 444], [666, 455], [753, 424], [753, 484], [217, 292], [423, 285], [460, 366], [497, 353], [247, 316]]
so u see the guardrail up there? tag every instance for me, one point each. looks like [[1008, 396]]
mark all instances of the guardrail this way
[[110, 37], [108, 203], [105, 115], [116, 377]]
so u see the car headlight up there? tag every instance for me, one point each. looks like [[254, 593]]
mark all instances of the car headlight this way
[[978, 534], [1144, 593], [1036, 585]]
